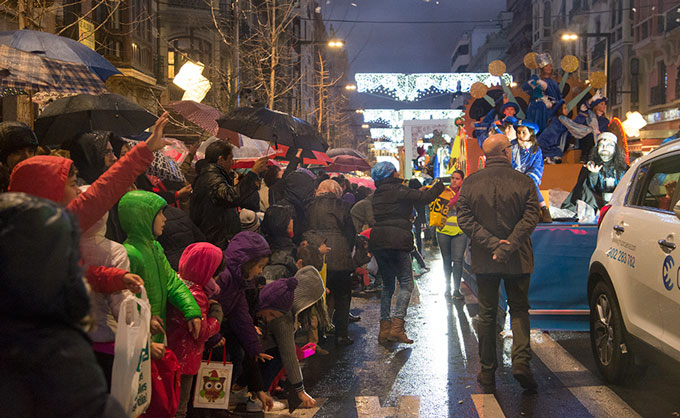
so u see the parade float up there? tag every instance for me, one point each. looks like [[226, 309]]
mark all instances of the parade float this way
[[562, 248]]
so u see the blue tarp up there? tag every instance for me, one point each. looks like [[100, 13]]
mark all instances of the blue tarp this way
[[559, 283]]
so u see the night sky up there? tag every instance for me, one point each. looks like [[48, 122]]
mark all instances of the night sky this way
[[407, 48], [403, 48]]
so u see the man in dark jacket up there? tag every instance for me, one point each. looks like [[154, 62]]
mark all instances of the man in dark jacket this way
[[215, 199], [17, 142], [498, 211], [47, 364], [391, 243]]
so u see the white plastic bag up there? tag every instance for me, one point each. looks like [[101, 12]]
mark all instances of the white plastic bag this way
[[131, 376]]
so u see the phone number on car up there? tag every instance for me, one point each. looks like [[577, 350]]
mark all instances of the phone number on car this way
[[621, 256]]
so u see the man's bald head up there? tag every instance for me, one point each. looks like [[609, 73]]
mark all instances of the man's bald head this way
[[495, 145]]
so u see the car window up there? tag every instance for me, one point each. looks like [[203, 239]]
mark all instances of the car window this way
[[654, 185]]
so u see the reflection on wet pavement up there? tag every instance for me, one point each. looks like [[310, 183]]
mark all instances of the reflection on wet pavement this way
[[436, 376]]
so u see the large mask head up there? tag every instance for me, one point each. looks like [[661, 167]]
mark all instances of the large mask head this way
[[606, 146]]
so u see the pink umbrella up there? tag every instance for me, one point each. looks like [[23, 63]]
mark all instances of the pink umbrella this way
[[347, 163], [360, 181], [205, 117]]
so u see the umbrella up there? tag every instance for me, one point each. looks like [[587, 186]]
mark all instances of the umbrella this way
[[26, 71], [345, 151], [308, 156], [205, 117], [359, 181], [162, 166], [347, 163], [276, 127], [65, 118], [60, 48]]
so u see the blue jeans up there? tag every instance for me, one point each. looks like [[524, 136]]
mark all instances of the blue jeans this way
[[394, 266], [452, 248]]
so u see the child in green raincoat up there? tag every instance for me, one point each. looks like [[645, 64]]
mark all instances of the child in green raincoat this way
[[141, 217]]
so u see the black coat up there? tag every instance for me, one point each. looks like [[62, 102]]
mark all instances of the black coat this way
[[295, 191], [499, 203], [329, 216], [393, 204], [215, 202], [47, 364], [178, 234]]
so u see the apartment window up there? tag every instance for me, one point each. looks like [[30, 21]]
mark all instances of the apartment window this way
[[547, 12], [616, 81], [135, 53], [171, 64]]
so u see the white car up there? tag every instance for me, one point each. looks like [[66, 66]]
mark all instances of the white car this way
[[634, 277]]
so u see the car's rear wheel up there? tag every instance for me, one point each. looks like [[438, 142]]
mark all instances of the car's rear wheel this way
[[608, 336]]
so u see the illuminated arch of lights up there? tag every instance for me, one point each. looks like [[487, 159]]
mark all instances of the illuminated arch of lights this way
[[396, 118], [413, 87]]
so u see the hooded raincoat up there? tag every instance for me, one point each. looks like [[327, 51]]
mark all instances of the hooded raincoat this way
[[245, 246], [47, 365], [137, 211], [46, 175], [197, 267]]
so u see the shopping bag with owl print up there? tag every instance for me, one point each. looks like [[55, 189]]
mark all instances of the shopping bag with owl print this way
[[213, 382], [131, 375]]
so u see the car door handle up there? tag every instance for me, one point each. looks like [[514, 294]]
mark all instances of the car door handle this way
[[666, 244], [619, 228]]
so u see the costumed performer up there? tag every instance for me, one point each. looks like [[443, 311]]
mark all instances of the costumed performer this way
[[527, 158], [591, 114], [543, 91], [599, 177]]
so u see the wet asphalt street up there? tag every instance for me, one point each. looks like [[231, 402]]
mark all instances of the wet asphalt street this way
[[436, 376]]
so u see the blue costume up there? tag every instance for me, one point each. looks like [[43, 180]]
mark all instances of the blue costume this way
[[551, 139], [528, 162], [537, 111]]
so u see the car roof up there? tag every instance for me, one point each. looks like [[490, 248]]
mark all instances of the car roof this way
[[669, 146]]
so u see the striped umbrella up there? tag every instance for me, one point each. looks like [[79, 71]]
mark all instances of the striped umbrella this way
[[27, 71]]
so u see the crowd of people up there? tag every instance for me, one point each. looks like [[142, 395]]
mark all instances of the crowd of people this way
[[240, 260]]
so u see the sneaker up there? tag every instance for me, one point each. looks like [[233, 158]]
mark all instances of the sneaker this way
[[548, 160], [457, 295], [238, 397], [255, 405], [557, 160], [523, 375]]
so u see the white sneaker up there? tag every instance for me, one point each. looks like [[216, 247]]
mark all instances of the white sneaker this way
[[255, 405]]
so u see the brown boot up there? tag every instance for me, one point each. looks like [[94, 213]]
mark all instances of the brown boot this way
[[385, 328], [397, 332]]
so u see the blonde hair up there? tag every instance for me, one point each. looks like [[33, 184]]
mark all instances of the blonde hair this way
[[329, 186]]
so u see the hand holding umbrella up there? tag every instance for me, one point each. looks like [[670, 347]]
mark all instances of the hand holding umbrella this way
[[156, 141]]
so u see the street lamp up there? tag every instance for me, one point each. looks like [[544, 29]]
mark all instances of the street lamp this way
[[333, 43], [350, 87], [569, 36], [365, 126]]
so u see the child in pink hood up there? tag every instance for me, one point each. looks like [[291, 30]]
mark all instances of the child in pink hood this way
[[200, 263]]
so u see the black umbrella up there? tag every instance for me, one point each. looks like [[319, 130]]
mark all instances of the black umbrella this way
[[276, 127], [65, 118]]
